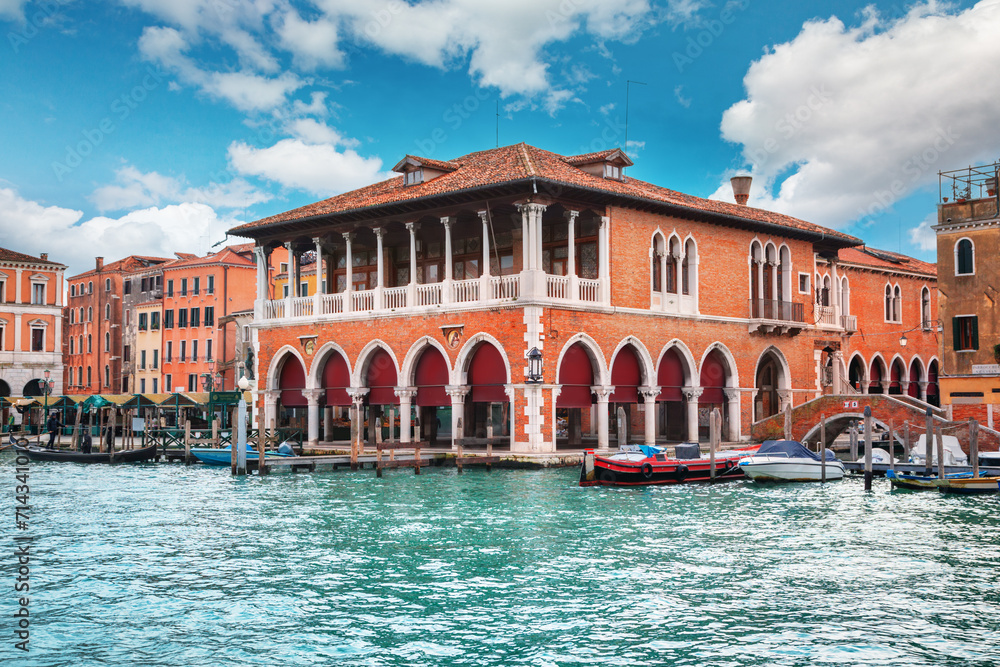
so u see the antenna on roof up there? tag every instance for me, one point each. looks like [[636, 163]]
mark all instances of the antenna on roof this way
[[628, 82], [498, 123]]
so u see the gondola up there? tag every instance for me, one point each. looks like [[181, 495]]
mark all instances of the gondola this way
[[122, 456]]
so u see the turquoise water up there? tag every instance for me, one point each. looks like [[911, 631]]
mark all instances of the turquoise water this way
[[167, 565]]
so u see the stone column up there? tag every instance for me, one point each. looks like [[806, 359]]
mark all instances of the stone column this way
[[784, 399], [357, 395], [17, 287], [261, 257], [318, 295], [649, 395], [289, 280], [405, 395], [328, 422], [904, 387], [411, 288], [380, 270], [923, 391], [457, 394], [533, 284], [448, 267], [691, 396], [574, 290], [485, 292], [312, 415], [838, 365], [271, 397], [349, 282], [602, 393], [733, 409], [663, 277]]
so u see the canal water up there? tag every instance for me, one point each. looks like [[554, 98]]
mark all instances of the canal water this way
[[168, 565]]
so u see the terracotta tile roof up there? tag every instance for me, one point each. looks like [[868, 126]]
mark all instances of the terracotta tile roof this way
[[14, 256], [599, 156], [440, 165], [522, 163], [225, 256], [129, 264], [883, 259]]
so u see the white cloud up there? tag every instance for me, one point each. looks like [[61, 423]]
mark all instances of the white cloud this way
[[845, 121], [679, 94], [12, 9], [313, 43], [244, 90], [316, 168], [923, 236], [312, 131], [134, 188], [186, 227]]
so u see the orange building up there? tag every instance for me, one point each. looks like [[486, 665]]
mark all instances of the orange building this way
[[94, 349], [645, 308], [31, 303], [197, 293]]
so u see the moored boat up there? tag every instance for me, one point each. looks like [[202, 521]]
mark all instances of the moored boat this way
[[790, 461], [120, 456], [962, 482], [223, 457], [644, 465]]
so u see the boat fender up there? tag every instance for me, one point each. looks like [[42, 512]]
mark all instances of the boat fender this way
[[682, 472], [647, 470], [608, 476]]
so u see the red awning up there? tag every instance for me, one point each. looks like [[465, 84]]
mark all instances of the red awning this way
[[431, 376], [336, 379], [487, 376], [626, 377], [576, 375], [381, 379], [875, 376], [713, 379], [291, 382], [670, 376]]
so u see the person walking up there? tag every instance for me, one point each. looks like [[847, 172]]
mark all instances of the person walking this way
[[53, 426]]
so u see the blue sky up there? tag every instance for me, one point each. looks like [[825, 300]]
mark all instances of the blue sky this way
[[152, 126]]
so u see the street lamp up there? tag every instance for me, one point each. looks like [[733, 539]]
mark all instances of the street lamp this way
[[534, 367], [902, 340]]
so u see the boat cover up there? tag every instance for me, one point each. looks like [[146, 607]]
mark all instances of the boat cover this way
[[648, 451], [792, 449]]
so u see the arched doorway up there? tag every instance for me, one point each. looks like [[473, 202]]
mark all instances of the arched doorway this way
[[896, 375], [381, 380], [856, 374], [933, 397], [573, 404], [487, 406], [670, 375], [876, 375], [766, 401], [430, 376], [913, 389], [292, 404], [626, 377], [714, 376], [335, 380], [32, 387]]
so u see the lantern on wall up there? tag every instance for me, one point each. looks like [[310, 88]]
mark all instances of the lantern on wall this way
[[534, 367]]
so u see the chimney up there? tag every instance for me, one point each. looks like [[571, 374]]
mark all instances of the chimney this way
[[100, 263], [741, 188], [44, 256]]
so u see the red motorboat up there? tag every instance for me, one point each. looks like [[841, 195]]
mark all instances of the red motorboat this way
[[643, 465]]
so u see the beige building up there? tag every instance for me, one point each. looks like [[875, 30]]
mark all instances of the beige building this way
[[968, 255], [148, 360]]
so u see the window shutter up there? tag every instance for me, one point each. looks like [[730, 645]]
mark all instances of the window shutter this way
[[975, 332], [956, 333]]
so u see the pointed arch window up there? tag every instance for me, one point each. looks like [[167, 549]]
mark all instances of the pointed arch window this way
[[657, 270]]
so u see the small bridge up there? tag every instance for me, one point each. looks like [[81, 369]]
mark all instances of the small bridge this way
[[841, 410]]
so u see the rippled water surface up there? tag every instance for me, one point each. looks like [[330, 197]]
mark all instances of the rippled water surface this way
[[167, 565]]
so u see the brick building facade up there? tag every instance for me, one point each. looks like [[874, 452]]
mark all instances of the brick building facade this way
[[648, 307]]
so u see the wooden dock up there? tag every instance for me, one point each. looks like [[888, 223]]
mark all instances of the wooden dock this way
[[855, 467]]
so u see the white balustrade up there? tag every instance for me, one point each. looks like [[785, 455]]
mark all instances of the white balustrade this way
[[826, 315], [274, 309], [331, 304], [363, 301], [557, 287], [506, 287], [590, 290], [302, 306], [394, 297], [429, 295], [464, 291]]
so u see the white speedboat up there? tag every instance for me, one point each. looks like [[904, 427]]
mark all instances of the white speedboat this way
[[953, 454], [879, 456], [789, 461]]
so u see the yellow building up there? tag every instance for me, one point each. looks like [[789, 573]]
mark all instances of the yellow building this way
[[148, 355]]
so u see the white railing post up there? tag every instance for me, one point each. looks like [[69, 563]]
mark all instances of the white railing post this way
[[349, 286]]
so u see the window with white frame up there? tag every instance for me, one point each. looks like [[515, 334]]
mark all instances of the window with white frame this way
[[804, 283], [107, 311], [37, 337], [37, 293], [3, 287]]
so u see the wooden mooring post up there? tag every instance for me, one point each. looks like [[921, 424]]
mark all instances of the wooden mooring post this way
[[940, 453], [974, 446], [892, 445], [928, 443], [261, 462], [402, 463], [187, 442], [788, 421], [868, 448], [714, 436], [822, 448], [853, 434], [458, 457], [906, 442]]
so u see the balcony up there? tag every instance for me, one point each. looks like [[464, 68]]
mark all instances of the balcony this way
[[849, 323], [447, 295], [774, 316]]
